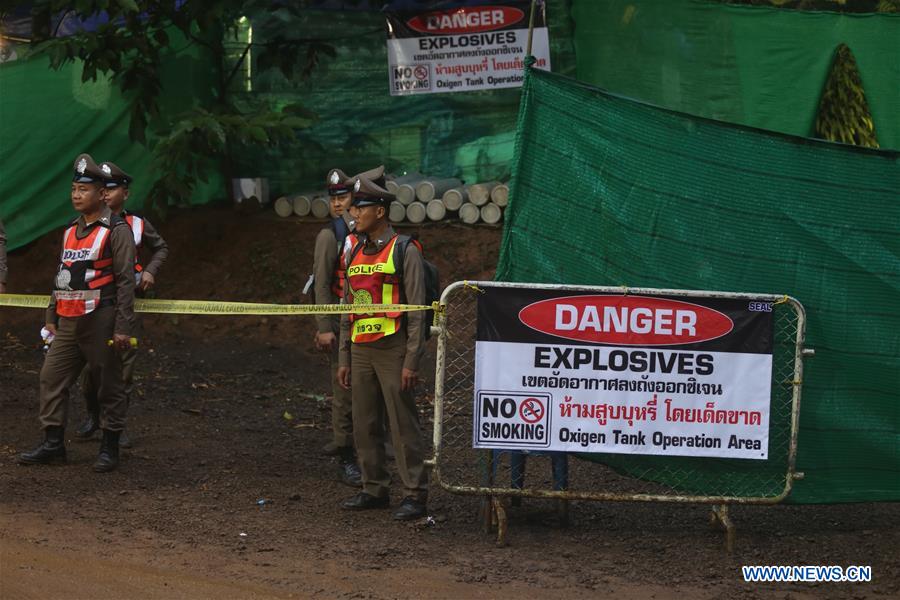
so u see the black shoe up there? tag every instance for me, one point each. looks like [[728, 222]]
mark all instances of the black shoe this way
[[108, 458], [90, 426], [350, 474], [52, 449], [125, 441], [364, 501], [410, 509]]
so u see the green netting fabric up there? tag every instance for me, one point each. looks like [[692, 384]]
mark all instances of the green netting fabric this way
[[609, 191], [49, 117], [757, 66]]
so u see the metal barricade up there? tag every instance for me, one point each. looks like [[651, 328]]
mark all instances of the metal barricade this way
[[461, 469]]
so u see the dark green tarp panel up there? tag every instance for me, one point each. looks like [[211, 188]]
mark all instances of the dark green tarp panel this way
[[758, 66], [646, 197], [49, 117], [469, 135]]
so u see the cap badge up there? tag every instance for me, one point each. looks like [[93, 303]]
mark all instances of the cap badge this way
[[105, 168], [82, 166], [335, 178], [356, 186]]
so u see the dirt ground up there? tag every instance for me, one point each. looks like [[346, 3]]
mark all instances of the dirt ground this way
[[223, 497]]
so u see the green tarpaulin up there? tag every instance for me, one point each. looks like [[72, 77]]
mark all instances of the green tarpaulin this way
[[646, 197], [49, 117], [757, 66]]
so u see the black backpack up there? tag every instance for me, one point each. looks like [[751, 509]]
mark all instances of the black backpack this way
[[432, 276]]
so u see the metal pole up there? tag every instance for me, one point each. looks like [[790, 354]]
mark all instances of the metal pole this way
[[530, 27]]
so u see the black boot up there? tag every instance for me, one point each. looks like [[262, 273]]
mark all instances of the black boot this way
[[53, 448], [87, 429], [108, 459], [350, 473]]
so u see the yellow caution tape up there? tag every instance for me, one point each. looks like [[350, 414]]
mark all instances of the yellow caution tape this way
[[207, 307]]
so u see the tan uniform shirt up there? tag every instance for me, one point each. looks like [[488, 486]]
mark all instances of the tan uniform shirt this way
[[413, 279], [325, 257], [121, 242], [3, 269], [157, 245]]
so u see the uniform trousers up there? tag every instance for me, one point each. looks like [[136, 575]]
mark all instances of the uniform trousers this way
[[377, 367], [83, 341], [341, 406]]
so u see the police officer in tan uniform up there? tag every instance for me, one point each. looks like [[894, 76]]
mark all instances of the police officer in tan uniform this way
[[381, 352], [91, 314], [328, 264], [116, 193]]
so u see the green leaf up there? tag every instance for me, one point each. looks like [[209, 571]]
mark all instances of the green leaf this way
[[129, 5]]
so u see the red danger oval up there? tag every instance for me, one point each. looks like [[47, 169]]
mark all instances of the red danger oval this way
[[469, 19], [626, 320]]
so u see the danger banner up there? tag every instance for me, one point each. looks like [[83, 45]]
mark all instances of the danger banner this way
[[463, 49], [588, 372]]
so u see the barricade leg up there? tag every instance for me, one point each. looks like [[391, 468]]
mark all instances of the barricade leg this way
[[719, 517], [559, 463]]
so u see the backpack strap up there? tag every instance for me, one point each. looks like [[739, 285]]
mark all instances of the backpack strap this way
[[403, 241]]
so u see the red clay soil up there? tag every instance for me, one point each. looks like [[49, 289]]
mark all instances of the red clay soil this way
[[223, 497]]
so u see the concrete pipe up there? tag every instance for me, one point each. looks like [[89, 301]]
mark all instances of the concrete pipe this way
[[428, 190], [500, 195], [454, 198], [469, 213], [319, 207], [491, 213], [284, 206], [435, 210], [406, 193], [302, 204], [396, 212], [480, 193], [415, 212]]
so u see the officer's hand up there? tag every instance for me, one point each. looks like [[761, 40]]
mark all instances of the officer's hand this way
[[408, 379], [343, 377], [325, 341], [147, 281], [50, 327], [121, 341]]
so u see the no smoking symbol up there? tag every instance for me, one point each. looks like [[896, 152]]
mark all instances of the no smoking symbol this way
[[531, 410], [420, 72]]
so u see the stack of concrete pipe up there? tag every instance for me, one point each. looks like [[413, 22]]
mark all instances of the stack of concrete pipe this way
[[418, 199]]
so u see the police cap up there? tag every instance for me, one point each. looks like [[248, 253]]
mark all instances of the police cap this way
[[114, 176], [367, 193], [338, 183], [86, 170]]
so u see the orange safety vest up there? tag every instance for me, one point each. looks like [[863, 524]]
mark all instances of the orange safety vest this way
[[85, 269], [340, 268], [373, 279], [137, 230]]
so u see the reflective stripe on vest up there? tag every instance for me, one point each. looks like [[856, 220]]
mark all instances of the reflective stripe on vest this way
[[337, 280], [85, 267], [137, 230], [373, 279]]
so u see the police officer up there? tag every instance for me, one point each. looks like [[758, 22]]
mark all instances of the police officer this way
[[382, 352], [328, 273], [91, 313], [116, 193]]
